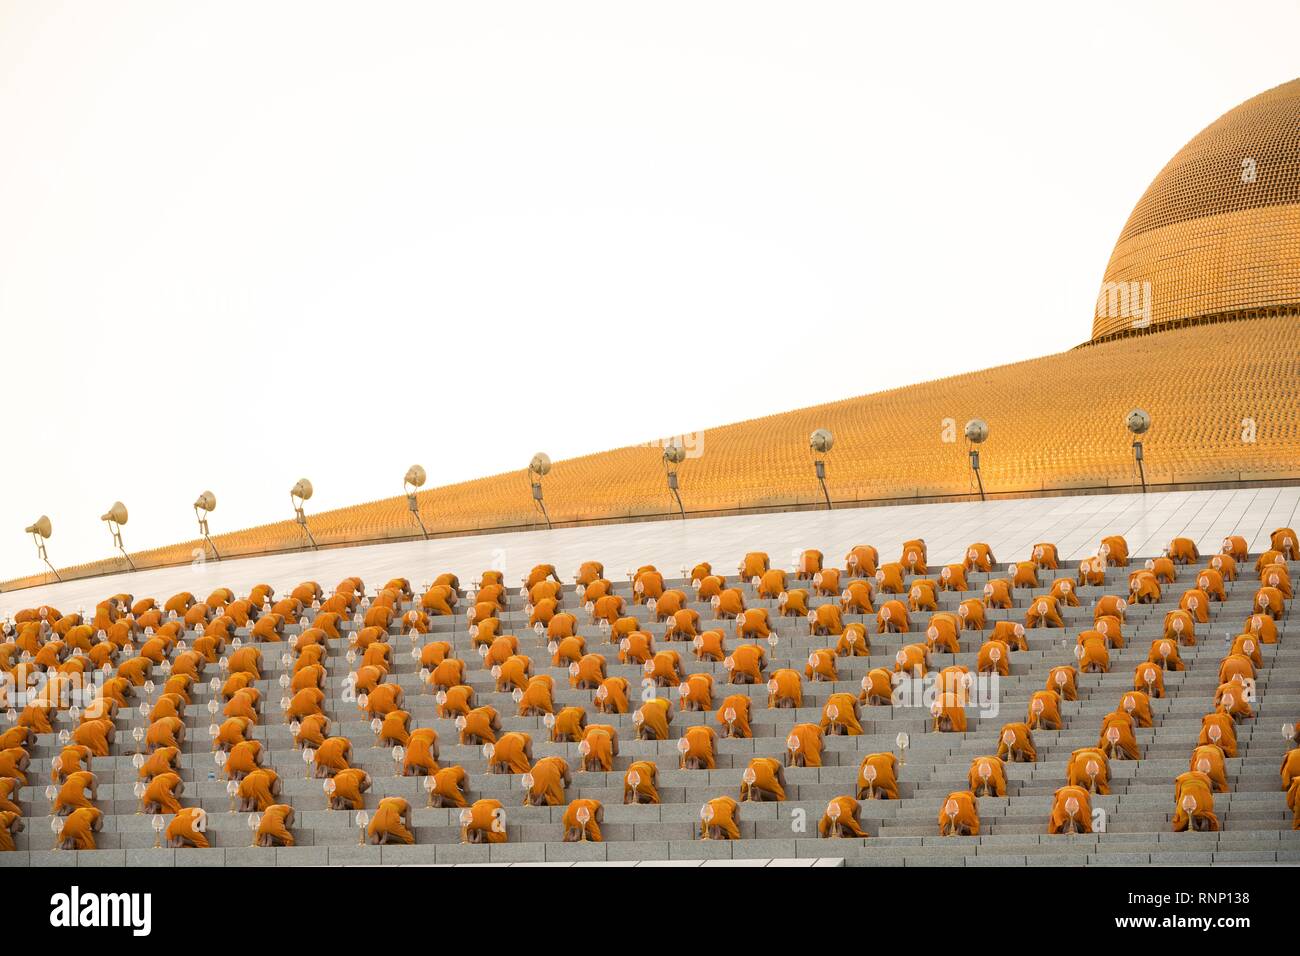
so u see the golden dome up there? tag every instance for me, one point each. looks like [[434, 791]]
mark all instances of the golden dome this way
[[1217, 235]]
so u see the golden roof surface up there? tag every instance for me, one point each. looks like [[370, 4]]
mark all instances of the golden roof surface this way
[[1224, 400]]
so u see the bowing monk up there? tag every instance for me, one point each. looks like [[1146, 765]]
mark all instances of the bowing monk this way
[[653, 719], [763, 781], [483, 822], [512, 753], [258, 790], [959, 815], [1194, 803], [349, 788], [1071, 811], [546, 782], [582, 820], [640, 783], [1209, 760], [188, 829], [803, 746], [1016, 743], [1089, 768], [391, 823], [1117, 738], [988, 777], [11, 824], [161, 794], [720, 819], [697, 747], [842, 819], [1219, 728], [80, 827], [840, 716], [878, 777], [275, 826]]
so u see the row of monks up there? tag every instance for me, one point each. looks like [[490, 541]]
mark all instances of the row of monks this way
[[46, 655]]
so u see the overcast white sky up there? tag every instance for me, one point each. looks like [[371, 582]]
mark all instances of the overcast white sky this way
[[241, 243]]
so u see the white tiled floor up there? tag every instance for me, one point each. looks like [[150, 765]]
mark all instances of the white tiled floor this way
[[1011, 527]]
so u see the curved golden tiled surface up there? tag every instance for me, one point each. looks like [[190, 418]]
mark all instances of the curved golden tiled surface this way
[[1056, 423], [1217, 233]]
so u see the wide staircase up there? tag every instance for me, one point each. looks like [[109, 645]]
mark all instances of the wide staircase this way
[[1135, 827]]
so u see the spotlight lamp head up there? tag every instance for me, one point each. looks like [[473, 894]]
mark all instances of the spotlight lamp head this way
[[977, 431], [41, 526], [540, 465], [302, 490], [206, 502], [674, 455], [1137, 421], [416, 476]]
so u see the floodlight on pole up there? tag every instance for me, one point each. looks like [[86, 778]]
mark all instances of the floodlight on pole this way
[[40, 531], [538, 469], [116, 517], [1138, 422], [821, 441], [204, 505], [674, 455], [977, 431], [415, 478], [299, 493]]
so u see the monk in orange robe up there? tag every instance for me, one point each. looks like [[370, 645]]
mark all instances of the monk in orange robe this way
[[80, 827], [391, 823], [1016, 743], [697, 747], [483, 822], [878, 777], [979, 557], [785, 689], [1284, 540], [1208, 759], [1044, 710], [349, 788], [959, 815], [893, 618], [840, 716], [763, 781], [512, 753], [1089, 768], [842, 819], [652, 720], [546, 782], [259, 790], [640, 783], [803, 746], [1071, 811], [988, 777], [187, 829], [161, 794], [720, 819], [1194, 803]]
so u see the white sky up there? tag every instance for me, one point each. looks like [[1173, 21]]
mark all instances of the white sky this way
[[241, 243]]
